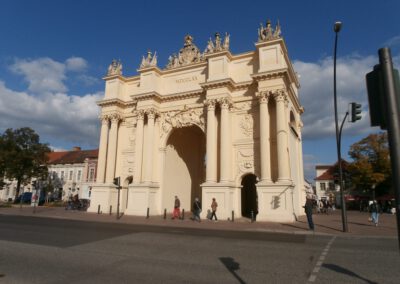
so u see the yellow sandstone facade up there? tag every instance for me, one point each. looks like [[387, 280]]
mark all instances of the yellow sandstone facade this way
[[208, 125]]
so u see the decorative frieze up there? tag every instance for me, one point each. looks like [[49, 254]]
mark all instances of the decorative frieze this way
[[179, 119], [217, 45], [246, 125]]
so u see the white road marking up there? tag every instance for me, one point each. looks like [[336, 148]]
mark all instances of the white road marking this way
[[320, 261]]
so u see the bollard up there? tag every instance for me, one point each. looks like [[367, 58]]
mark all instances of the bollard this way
[[110, 209], [252, 216], [98, 209], [165, 213], [233, 216], [148, 213], [183, 214]]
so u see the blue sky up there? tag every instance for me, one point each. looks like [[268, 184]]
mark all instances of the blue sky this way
[[53, 55]]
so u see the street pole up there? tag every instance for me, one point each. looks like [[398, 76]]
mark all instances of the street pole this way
[[336, 29], [393, 124]]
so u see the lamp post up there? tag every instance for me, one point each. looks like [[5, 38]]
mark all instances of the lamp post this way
[[336, 28]]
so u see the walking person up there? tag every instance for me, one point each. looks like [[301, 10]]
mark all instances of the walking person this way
[[214, 206], [196, 210], [374, 209], [308, 208], [177, 208]]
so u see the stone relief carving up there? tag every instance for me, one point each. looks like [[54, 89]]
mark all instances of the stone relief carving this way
[[217, 45], [246, 125], [243, 106], [179, 119], [149, 61], [268, 33], [115, 68], [187, 55], [225, 102], [245, 161]]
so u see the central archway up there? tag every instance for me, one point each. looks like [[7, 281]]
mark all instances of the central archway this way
[[184, 168]]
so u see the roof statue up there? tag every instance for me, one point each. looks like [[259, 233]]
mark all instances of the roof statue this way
[[149, 61], [187, 55], [268, 33], [217, 45], [115, 68]]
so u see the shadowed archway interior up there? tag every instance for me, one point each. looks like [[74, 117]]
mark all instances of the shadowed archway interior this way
[[184, 168], [249, 196]]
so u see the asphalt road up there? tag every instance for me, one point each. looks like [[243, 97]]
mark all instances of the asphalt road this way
[[44, 250]]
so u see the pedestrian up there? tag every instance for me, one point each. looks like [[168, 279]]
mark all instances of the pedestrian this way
[[214, 206], [374, 209], [308, 208], [196, 210], [177, 208]]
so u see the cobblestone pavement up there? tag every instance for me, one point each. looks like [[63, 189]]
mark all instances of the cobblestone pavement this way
[[330, 224]]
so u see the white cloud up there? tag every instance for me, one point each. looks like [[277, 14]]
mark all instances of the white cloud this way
[[316, 94], [43, 74], [76, 64]]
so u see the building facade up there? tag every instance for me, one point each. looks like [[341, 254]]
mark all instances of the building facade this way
[[209, 125]]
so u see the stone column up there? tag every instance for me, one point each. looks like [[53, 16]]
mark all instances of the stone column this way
[[225, 148], [265, 154], [112, 148], [150, 141], [137, 177], [101, 164], [211, 170], [282, 137]]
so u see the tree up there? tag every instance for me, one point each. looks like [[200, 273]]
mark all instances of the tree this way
[[371, 167], [22, 156]]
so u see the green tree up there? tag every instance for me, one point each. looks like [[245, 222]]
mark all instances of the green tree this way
[[371, 164], [22, 156]]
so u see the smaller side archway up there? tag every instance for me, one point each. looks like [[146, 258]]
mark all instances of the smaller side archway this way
[[249, 197]]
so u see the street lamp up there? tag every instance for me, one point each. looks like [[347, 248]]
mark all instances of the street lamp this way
[[336, 29]]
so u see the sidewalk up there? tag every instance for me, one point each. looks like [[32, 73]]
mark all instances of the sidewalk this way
[[331, 224]]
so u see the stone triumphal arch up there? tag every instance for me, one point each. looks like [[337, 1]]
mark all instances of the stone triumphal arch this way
[[210, 124]]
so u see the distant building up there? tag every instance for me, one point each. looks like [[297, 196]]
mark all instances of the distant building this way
[[73, 172], [70, 173]]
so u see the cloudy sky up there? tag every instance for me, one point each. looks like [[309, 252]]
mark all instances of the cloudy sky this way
[[53, 55]]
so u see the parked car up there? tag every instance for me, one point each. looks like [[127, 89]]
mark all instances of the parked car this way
[[25, 197]]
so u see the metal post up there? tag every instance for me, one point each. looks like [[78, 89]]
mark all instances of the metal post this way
[[110, 209], [233, 216], [183, 214], [252, 216], [165, 213], [98, 209], [119, 189], [148, 213], [339, 154], [393, 124]]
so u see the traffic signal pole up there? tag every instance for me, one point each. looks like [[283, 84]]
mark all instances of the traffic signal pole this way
[[392, 101]]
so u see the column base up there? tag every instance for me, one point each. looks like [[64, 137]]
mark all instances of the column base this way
[[141, 197], [103, 195], [223, 194]]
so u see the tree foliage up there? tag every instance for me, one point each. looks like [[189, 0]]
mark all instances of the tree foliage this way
[[371, 165], [22, 156]]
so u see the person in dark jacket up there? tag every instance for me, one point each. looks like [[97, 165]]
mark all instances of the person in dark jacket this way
[[374, 209], [308, 208], [196, 209]]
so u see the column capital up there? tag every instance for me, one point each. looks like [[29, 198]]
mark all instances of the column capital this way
[[104, 119], [225, 103], [139, 114], [151, 113], [210, 103], [280, 95], [115, 118], [263, 96]]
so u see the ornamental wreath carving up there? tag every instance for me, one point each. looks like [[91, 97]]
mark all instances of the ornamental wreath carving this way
[[187, 55], [246, 124]]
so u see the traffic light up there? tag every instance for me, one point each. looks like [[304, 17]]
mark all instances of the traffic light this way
[[117, 181], [355, 112]]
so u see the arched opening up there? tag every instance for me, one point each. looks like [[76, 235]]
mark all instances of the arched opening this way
[[184, 169], [249, 196]]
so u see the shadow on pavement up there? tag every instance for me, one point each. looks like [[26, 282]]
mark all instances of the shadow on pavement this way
[[232, 266], [340, 269]]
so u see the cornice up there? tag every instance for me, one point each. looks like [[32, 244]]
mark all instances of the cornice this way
[[145, 96], [277, 73], [111, 102], [148, 69], [107, 78], [226, 53], [228, 82]]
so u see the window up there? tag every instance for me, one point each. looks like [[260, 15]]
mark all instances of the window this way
[[331, 186], [323, 186], [91, 175], [62, 175], [70, 175], [79, 175]]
